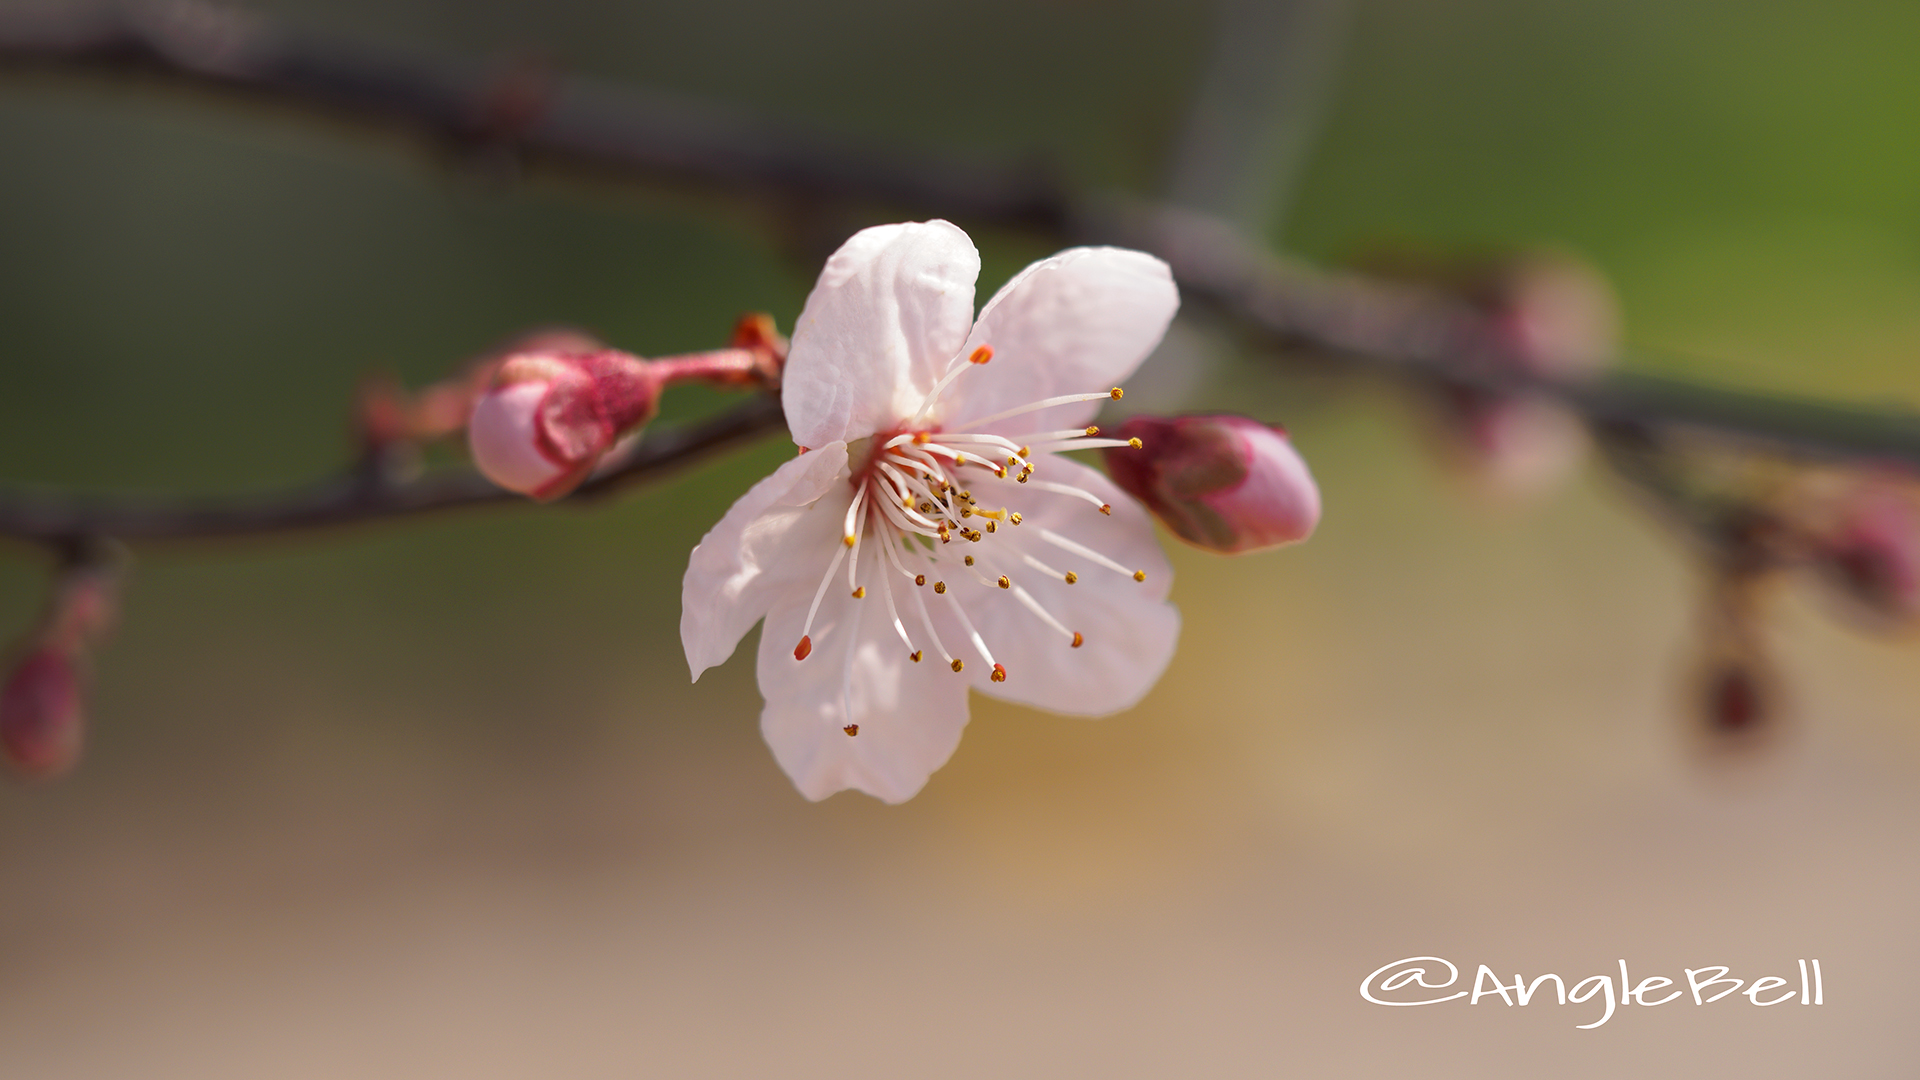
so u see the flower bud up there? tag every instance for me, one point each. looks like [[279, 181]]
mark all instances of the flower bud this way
[[1872, 553], [1225, 483], [40, 713], [550, 417]]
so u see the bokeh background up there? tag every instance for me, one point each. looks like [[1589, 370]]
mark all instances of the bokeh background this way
[[436, 798]]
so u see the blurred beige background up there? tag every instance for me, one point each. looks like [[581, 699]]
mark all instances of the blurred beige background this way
[[437, 800]]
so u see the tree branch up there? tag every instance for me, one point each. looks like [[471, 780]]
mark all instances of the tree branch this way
[[1367, 325]]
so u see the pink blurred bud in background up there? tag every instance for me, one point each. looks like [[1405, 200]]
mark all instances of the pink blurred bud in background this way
[[41, 722], [1225, 483], [550, 417], [1872, 551]]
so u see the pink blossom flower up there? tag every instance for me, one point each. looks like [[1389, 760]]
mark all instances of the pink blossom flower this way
[[928, 538]]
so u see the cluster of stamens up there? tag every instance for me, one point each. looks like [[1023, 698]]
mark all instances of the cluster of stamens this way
[[912, 501]]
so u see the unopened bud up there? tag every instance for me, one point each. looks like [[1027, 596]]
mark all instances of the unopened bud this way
[[1873, 552], [550, 417], [1225, 483], [41, 721]]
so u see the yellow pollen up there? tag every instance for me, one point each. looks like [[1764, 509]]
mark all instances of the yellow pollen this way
[[957, 664], [1015, 518], [999, 673], [1078, 640], [1092, 430], [1000, 472], [1012, 462], [926, 508], [939, 586], [1135, 443], [914, 656], [1005, 582], [851, 730], [966, 496], [1072, 577], [973, 536], [848, 539], [921, 438], [959, 459], [919, 579], [969, 560], [1024, 473], [860, 593], [1107, 509], [990, 527], [965, 513], [1116, 393], [1139, 575], [1027, 451], [981, 355], [906, 503]]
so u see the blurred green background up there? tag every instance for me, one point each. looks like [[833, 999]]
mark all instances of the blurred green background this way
[[435, 798]]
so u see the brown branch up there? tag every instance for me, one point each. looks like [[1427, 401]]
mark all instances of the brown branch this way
[[567, 123], [363, 495]]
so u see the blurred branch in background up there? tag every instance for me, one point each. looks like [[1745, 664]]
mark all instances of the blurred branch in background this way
[[1253, 120]]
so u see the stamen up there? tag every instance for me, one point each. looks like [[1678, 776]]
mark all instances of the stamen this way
[[999, 674], [1077, 640], [981, 355], [1086, 552], [920, 603], [914, 656], [1005, 582], [851, 729], [806, 643], [940, 587], [1069, 489], [860, 593], [1067, 399]]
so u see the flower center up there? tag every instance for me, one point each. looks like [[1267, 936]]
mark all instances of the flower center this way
[[929, 508]]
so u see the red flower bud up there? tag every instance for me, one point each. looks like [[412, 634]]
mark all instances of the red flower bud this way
[[550, 417], [1224, 483], [40, 713]]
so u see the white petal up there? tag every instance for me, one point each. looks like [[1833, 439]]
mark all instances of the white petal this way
[[1129, 627], [890, 311], [1079, 322], [910, 715], [774, 542]]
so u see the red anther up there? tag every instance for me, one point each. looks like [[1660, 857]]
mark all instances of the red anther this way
[[981, 355], [805, 648], [999, 673]]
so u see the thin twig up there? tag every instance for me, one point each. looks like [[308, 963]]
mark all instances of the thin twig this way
[[634, 137]]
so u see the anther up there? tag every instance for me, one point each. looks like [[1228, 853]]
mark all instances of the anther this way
[[969, 560], [999, 673], [1023, 475], [958, 663], [926, 508], [1092, 430], [1027, 451], [990, 527], [848, 539], [981, 355], [1015, 518], [1078, 640], [804, 649], [1135, 443], [965, 512], [919, 579], [1071, 578], [1013, 462], [1107, 509], [921, 438], [940, 587], [959, 459], [1116, 393], [860, 593], [851, 730], [1139, 575], [1005, 582], [907, 503], [914, 656]]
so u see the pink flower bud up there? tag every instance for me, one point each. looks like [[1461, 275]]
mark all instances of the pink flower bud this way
[[550, 417], [1224, 483], [40, 713], [1873, 552]]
